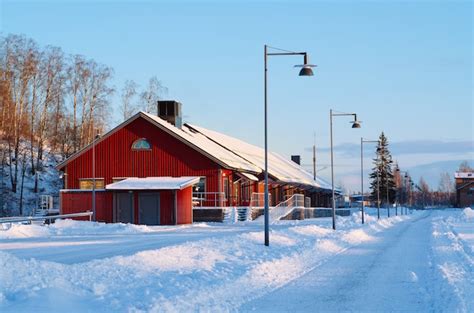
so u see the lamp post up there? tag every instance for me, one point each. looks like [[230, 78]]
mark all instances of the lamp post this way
[[378, 189], [362, 141], [306, 70], [355, 124], [407, 181]]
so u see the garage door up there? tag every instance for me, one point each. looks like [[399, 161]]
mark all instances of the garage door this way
[[124, 207], [149, 208]]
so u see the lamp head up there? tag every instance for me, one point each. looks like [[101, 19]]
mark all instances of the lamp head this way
[[356, 124], [306, 68], [306, 71]]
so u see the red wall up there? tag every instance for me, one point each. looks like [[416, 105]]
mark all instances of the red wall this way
[[115, 158], [185, 206], [77, 202]]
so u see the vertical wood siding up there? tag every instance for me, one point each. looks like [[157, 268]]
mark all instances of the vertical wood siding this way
[[76, 202]]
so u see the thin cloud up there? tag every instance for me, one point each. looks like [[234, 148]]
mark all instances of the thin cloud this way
[[408, 147]]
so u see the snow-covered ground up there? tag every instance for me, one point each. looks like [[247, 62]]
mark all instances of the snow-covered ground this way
[[418, 263]]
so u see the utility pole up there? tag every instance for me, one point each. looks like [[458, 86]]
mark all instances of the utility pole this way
[[314, 157]]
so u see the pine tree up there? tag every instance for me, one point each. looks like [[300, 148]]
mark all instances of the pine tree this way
[[382, 176]]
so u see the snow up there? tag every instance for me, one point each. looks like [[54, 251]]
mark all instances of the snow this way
[[154, 183], [420, 262], [468, 213], [463, 174]]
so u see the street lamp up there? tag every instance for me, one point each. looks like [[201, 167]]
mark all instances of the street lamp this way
[[355, 124], [306, 70], [362, 141], [407, 181]]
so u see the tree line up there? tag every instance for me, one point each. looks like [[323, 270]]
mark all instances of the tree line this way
[[389, 184], [52, 99]]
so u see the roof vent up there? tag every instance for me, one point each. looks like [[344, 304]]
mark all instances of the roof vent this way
[[170, 111]]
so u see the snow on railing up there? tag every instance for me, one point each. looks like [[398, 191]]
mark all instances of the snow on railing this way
[[285, 207]]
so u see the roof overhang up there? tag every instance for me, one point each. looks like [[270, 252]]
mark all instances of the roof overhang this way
[[154, 183], [248, 176]]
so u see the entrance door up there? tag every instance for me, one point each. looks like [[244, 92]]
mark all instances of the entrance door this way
[[124, 207], [149, 208]]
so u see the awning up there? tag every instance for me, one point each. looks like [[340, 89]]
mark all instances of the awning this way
[[154, 183]]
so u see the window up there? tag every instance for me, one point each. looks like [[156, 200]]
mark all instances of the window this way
[[87, 183], [226, 188], [201, 185], [245, 192], [141, 144]]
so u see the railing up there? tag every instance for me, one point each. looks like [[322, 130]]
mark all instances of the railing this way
[[285, 207], [209, 199], [19, 219], [257, 200], [307, 202]]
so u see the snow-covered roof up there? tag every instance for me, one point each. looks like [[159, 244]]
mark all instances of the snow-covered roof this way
[[154, 183], [279, 167], [464, 175], [207, 146]]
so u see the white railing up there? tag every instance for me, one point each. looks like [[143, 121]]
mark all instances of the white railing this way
[[209, 199], [285, 207], [20, 219]]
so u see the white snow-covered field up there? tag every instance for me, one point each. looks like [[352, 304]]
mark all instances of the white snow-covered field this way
[[422, 262]]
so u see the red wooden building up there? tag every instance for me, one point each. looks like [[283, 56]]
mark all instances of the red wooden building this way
[[163, 168]]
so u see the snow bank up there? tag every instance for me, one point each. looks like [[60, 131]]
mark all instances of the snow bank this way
[[24, 231], [468, 214], [76, 228]]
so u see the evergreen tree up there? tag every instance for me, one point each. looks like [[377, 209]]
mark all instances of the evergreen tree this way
[[382, 176]]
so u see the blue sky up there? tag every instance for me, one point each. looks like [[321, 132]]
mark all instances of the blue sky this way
[[404, 67]]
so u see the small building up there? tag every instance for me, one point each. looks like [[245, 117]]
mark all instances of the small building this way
[[182, 166], [464, 189]]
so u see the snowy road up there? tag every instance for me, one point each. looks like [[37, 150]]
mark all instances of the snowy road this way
[[394, 273]]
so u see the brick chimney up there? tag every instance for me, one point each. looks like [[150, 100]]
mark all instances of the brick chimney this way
[[170, 111], [296, 159]]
